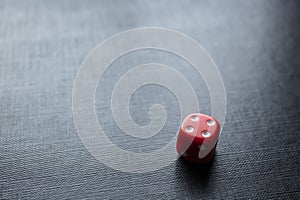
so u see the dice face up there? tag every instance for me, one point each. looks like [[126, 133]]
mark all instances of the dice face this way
[[197, 138]]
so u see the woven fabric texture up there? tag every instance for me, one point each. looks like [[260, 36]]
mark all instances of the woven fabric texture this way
[[255, 44]]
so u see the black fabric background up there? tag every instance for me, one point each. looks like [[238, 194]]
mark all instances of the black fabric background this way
[[255, 45]]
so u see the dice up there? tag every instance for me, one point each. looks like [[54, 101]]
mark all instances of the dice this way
[[197, 138]]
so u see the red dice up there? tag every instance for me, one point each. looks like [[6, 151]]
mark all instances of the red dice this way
[[197, 138]]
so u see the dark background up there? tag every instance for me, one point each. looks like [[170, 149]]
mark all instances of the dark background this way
[[256, 45]]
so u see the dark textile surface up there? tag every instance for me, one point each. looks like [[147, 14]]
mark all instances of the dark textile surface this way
[[256, 45]]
